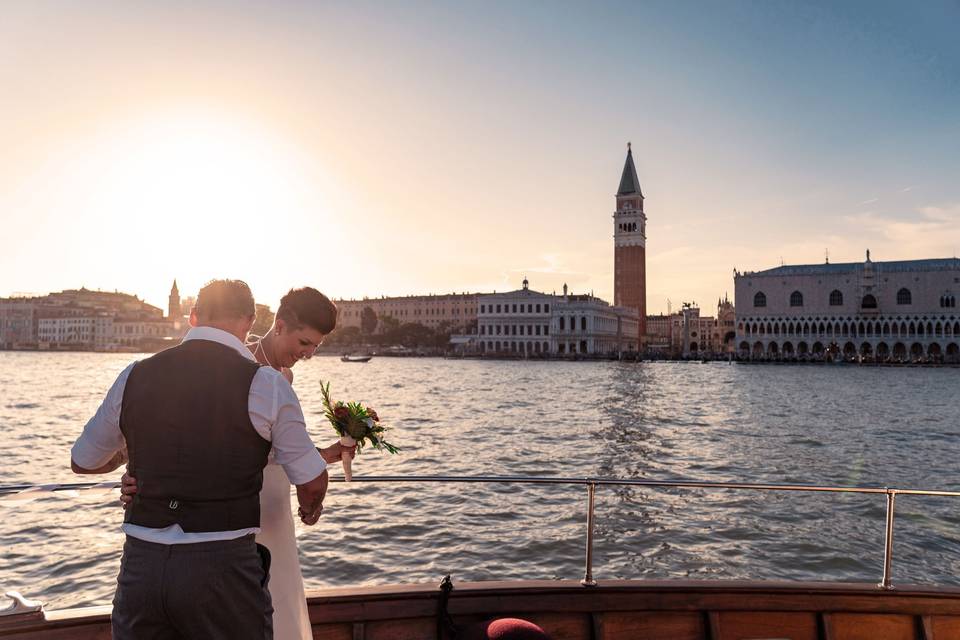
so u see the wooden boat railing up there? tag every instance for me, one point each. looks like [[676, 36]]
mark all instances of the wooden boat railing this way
[[20, 491]]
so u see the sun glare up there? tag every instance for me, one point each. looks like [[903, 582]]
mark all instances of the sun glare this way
[[203, 192], [218, 177]]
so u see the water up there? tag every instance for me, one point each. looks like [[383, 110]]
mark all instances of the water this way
[[718, 422]]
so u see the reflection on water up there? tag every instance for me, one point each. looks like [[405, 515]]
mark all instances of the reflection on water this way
[[718, 422]]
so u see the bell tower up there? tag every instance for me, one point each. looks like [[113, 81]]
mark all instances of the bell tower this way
[[173, 303], [630, 245]]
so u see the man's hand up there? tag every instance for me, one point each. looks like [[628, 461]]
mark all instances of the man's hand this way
[[310, 496], [337, 452], [128, 489]]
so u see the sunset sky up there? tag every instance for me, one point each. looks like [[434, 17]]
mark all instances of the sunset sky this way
[[399, 148]]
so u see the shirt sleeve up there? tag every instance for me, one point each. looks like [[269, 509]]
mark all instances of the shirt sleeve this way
[[276, 415], [101, 437]]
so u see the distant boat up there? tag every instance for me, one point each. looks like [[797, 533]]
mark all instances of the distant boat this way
[[348, 358]]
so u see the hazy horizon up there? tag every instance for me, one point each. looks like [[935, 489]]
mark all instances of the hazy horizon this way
[[373, 149]]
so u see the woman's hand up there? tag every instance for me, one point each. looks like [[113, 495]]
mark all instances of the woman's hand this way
[[337, 452], [128, 488]]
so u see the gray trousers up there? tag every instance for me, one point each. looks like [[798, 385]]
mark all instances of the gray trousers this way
[[206, 590]]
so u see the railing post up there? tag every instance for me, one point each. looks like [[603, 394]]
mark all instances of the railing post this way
[[888, 543], [588, 580]]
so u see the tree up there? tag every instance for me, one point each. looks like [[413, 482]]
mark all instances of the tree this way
[[264, 321], [388, 330], [368, 321], [343, 335], [414, 334], [442, 334]]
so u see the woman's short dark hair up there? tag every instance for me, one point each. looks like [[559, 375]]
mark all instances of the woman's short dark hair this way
[[225, 300], [307, 306]]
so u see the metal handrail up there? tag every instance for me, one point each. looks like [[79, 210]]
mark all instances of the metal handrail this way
[[591, 484]]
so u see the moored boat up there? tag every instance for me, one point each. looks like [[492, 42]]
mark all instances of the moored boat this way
[[349, 358]]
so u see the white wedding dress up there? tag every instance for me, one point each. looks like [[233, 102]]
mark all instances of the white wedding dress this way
[[290, 618]]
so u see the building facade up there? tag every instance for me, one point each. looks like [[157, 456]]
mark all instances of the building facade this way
[[630, 245], [456, 312], [877, 311], [530, 323], [83, 319], [687, 334], [18, 322], [94, 332]]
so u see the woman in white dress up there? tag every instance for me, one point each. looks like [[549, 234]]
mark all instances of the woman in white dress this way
[[304, 318]]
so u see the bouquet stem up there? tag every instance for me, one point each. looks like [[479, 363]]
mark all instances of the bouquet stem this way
[[347, 459]]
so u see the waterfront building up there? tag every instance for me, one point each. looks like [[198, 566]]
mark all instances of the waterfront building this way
[[687, 334], [456, 312], [82, 319], [725, 327], [146, 334], [900, 311], [529, 322], [660, 331], [18, 322], [630, 242], [93, 332]]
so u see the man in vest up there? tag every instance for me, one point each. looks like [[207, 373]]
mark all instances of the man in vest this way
[[197, 422]]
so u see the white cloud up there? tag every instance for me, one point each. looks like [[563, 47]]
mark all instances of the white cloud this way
[[932, 231]]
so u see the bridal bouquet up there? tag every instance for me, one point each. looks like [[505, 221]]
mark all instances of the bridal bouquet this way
[[355, 424]]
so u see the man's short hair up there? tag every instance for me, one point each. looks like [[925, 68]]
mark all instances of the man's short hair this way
[[307, 306], [225, 300]]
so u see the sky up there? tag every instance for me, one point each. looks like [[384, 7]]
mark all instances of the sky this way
[[402, 148]]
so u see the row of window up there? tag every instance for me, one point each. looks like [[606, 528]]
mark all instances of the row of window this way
[[627, 226], [883, 349], [536, 347], [850, 329], [506, 308], [515, 330], [407, 312], [573, 323], [836, 299], [531, 347]]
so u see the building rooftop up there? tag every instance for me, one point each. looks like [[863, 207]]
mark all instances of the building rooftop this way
[[932, 264]]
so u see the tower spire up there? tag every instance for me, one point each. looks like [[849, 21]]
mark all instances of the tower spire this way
[[629, 183]]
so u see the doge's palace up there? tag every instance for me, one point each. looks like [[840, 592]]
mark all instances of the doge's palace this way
[[900, 311]]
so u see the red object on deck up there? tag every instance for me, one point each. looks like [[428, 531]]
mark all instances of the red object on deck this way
[[506, 629]]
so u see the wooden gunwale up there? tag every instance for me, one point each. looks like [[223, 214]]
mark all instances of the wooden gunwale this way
[[412, 601]]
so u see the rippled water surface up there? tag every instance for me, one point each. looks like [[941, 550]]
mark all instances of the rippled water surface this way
[[785, 424]]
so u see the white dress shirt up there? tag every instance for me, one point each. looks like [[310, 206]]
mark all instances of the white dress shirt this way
[[274, 412]]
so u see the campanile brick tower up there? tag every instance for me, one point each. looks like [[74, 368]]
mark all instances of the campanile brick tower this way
[[173, 303], [630, 246]]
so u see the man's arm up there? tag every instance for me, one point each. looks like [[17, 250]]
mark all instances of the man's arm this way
[[119, 458], [101, 447], [310, 496]]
